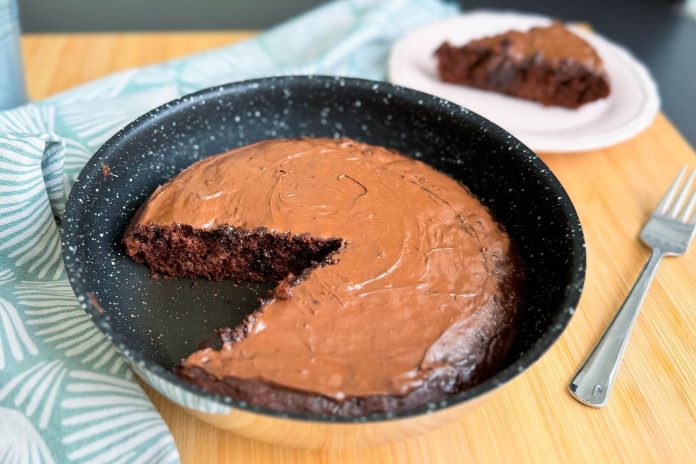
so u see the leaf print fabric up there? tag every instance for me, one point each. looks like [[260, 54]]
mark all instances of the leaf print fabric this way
[[57, 370], [66, 395]]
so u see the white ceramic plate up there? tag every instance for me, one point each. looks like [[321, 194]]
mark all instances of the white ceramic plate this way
[[630, 107]]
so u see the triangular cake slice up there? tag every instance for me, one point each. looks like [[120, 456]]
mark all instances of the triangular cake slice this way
[[550, 65]]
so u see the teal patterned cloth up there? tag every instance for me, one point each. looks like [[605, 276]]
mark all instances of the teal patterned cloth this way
[[65, 393]]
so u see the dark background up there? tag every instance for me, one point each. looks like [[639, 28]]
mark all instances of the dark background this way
[[658, 32], [141, 15]]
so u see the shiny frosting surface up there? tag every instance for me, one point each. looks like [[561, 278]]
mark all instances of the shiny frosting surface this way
[[417, 263]]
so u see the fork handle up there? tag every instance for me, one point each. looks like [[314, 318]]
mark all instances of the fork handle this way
[[593, 381]]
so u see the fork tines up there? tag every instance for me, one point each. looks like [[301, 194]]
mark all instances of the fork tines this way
[[675, 209]]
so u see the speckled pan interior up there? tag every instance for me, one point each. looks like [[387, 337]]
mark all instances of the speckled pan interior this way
[[157, 322]]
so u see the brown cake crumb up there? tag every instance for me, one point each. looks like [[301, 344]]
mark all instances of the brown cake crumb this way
[[284, 288], [106, 170]]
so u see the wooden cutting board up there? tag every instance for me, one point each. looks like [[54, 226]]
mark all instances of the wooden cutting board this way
[[652, 413]]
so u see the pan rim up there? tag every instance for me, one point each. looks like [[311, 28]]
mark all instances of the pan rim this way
[[556, 326]]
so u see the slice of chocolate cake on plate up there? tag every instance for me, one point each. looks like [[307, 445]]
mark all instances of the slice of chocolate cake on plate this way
[[550, 65]]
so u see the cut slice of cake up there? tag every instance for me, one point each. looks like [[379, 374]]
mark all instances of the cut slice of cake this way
[[550, 65]]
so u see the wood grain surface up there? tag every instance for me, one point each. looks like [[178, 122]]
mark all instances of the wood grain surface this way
[[652, 413]]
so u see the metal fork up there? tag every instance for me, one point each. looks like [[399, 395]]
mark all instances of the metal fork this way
[[668, 232]]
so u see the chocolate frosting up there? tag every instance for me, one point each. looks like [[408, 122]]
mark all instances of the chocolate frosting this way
[[422, 260], [554, 43]]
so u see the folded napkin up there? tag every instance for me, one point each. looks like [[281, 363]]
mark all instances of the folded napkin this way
[[65, 394]]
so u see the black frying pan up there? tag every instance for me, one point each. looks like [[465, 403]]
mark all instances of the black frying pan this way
[[157, 322]]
